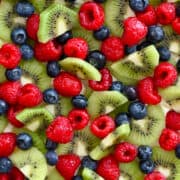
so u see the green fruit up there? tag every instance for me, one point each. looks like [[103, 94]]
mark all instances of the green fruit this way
[[54, 175], [89, 174], [3, 123]]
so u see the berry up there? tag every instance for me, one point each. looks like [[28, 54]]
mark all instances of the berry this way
[[148, 16], [147, 166], [53, 68], [166, 13], [99, 1], [18, 35], [16, 174], [165, 74], [24, 141], [176, 25], [130, 49], [76, 47], [147, 92], [102, 33], [91, 16], [155, 176], [113, 48], [10, 56], [138, 5], [62, 39], [51, 145], [67, 85], [137, 110], [177, 151], [130, 93], [134, 31], [50, 96], [117, 86], [5, 165], [102, 126], [89, 163], [51, 158], [168, 139], [108, 168], [4, 176], [97, 59], [125, 152], [60, 130], [50, 51], [173, 120], [178, 10], [67, 165], [144, 152], [3, 107], [122, 118], [77, 178], [143, 45], [79, 118], [32, 26], [104, 84], [27, 51], [30, 96], [164, 53], [79, 101], [13, 74], [178, 65]]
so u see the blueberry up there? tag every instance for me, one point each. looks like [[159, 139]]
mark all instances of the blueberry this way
[[143, 45], [89, 163], [102, 33], [122, 118], [147, 166], [3, 107], [164, 53], [51, 145], [24, 141], [77, 178], [51, 158], [178, 66], [117, 86], [62, 39], [177, 151], [26, 51], [53, 69], [130, 92], [144, 152], [137, 110], [13, 74], [5, 165], [50, 96], [178, 10], [100, 1], [97, 59], [155, 34], [79, 101], [18, 35], [138, 5], [24, 9], [130, 50]]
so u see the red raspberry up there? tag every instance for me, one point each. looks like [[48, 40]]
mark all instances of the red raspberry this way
[[147, 93], [168, 139], [67, 84], [9, 91], [29, 96], [176, 25], [32, 26], [60, 130], [125, 152], [166, 13], [50, 51], [134, 31], [67, 165], [113, 48], [102, 126], [16, 174], [173, 120], [79, 118], [155, 176], [91, 16], [10, 56], [148, 17], [108, 168], [76, 47], [7, 144], [165, 74], [4, 176], [104, 84]]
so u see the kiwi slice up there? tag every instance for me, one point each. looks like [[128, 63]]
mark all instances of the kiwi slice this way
[[104, 102], [80, 68], [54, 175], [75, 4], [3, 123], [31, 162], [54, 21], [147, 131], [2, 72], [155, 2], [89, 174], [166, 163], [86, 91], [2, 41]]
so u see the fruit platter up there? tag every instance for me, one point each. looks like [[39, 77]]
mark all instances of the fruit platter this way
[[89, 89]]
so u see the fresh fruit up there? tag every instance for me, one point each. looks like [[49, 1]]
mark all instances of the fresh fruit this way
[[176, 25], [102, 33], [88, 174], [18, 35], [173, 120], [5, 165], [53, 68], [79, 101], [62, 39], [138, 6], [14, 74], [154, 175], [147, 166], [51, 158], [164, 53], [89, 163], [144, 152]]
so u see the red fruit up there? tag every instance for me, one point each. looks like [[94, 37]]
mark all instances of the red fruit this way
[[79, 118], [7, 144], [91, 16], [173, 120], [176, 25], [10, 56], [165, 74], [102, 126], [155, 176], [166, 13], [76, 47], [134, 31], [168, 139], [60, 130], [147, 93], [104, 84], [29, 96], [67, 84], [16, 174], [50, 51], [32, 26], [113, 48], [148, 17], [9, 91], [4, 176], [125, 152], [67, 165], [108, 168]]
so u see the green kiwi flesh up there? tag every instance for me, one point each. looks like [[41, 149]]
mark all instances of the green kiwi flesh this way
[[155, 2], [3, 123], [54, 175], [2, 72], [89, 174]]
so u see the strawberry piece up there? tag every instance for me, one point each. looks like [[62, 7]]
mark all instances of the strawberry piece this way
[[4, 176], [173, 120], [176, 25], [16, 174], [155, 176]]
